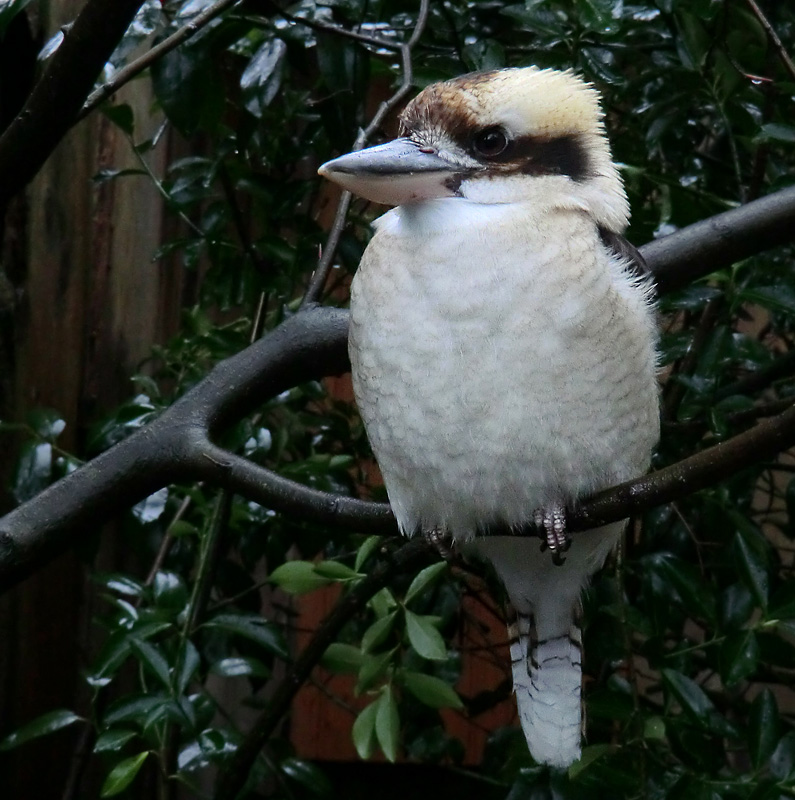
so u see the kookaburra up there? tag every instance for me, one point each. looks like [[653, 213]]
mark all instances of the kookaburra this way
[[503, 348]]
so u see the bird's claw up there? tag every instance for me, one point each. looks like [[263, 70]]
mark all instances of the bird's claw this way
[[440, 540], [552, 521]]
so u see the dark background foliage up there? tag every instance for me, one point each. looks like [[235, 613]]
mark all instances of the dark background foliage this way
[[689, 641]]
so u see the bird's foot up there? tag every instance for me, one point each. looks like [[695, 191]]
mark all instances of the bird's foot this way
[[441, 541], [552, 521]]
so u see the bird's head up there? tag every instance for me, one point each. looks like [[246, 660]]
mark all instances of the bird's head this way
[[505, 136]]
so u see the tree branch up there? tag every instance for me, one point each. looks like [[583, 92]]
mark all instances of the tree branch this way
[[722, 240], [126, 74], [57, 97], [320, 275], [177, 446]]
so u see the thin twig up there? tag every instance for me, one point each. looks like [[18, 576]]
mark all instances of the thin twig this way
[[337, 30], [318, 280], [773, 36], [126, 74], [168, 540], [406, 559]]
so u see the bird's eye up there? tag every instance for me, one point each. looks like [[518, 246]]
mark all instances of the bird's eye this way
[[491, 142]]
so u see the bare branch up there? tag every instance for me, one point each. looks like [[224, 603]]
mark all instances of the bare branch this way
[[136, 67], [774, 38], [722, 240], [320, 275]]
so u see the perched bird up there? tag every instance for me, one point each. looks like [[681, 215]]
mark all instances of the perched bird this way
[[502, 342]]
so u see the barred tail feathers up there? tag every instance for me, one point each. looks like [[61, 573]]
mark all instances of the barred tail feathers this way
[[547, 678], [546, 640]]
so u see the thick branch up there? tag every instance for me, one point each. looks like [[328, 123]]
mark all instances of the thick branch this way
[[60, 92], [177, 446], [722, 240]]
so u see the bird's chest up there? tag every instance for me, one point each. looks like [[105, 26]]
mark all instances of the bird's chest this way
[[476, 356]]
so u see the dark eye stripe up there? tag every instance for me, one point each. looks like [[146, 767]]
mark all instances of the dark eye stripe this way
[[536, 155]]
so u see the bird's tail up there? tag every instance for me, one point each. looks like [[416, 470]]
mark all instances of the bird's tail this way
[[547, 680], [546, 641]]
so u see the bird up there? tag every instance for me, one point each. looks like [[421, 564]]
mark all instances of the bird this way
[[503, 345]]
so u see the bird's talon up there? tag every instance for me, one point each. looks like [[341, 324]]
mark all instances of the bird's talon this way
[[439, 539], [556, 538]]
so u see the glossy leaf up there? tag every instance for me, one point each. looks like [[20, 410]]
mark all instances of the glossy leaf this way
[[113, 740], [261, 79], [695, 703], [373, 668], [763, 728], [307, 775], [378, 632], [254, 628], [424, 636], [122, 775], [430, 690], [298, 577], [363, 731], [739, 655], [423, 579], [387, 724], [240, 666], [47, 723]]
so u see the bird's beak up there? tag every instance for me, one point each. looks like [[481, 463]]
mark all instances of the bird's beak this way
[[394, 173]]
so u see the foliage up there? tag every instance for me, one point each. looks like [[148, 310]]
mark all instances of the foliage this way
[[689, 633]]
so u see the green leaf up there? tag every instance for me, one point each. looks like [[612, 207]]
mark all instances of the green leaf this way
[[34, 470], [151, 657], [763, 728], [262, 78], [335, 571], [47, 723], [240, 666], [378, 632], [430, 690], [373, 667], [121, 115], [424, 636], [597, 15], [170, 591], [753, 567], [777, 132], [363, 732], [776, 298], [308, 775], [342, 658], [425, 578], [298, 577], [782, 762], [187, 85], [123, 774], [254, 628], [387, 724], [113, 740], [191, 660], [696, 704], [382, 602], [368, 547], [590, 754], [738, 656]]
